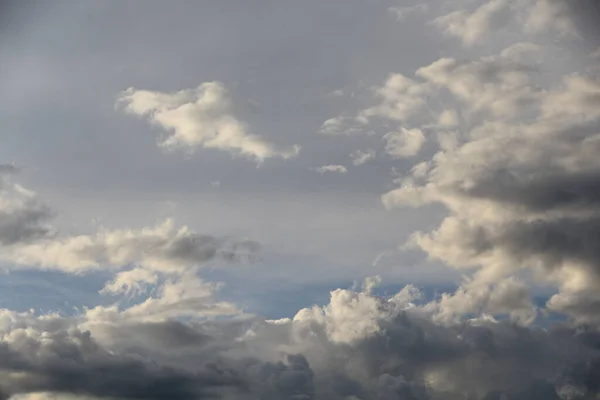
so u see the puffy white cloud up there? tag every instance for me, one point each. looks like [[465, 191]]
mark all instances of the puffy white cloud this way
[[162, 258], [498, 85], [404, 143], [201, 117], [448, 119], [547, 15], [474, 27], [182, 296], [400, 98], [582, 306], [518, 176], [360, 157], [349, 317], [332, 168], [162, 248], [507, 297], [133, 282]]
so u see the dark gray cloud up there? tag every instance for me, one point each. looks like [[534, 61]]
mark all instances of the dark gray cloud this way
[[284, 380], [72, 362], [25, 224], [540, 191], [23, 216]]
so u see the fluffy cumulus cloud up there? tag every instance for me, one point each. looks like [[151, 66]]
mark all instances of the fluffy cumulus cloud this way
[[162, 248], [474, 27], [552, 15], [399, 99], [160, 261], [517, 173], [405, 143], [200, 117]]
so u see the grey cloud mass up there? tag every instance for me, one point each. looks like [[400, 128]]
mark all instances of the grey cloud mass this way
[[23, 216], [406, 356]]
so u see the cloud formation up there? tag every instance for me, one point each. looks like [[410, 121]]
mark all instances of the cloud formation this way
[[404, 143], [160, 248], [23, 216], [332, 168], [357, 346], [200, 118], [360, 157], [474, 28], [160, 261], [517, 173]]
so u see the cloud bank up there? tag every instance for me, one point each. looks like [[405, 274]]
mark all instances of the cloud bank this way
[[357, 346]]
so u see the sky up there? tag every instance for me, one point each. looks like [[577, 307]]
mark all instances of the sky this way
[[326, 199]]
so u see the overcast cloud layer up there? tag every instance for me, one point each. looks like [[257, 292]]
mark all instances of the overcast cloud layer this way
[[205, 166]]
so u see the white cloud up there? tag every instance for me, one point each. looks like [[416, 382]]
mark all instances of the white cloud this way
[[161, 248], [332, 168], [133, 282], [404, 143], [508, 296], [360, 157], [200, 117], [519, 183], [474, 28], [499, 85], [185, 295], [348, 318], [400, 98], [547, 15], [343, 125], [448, 119]]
